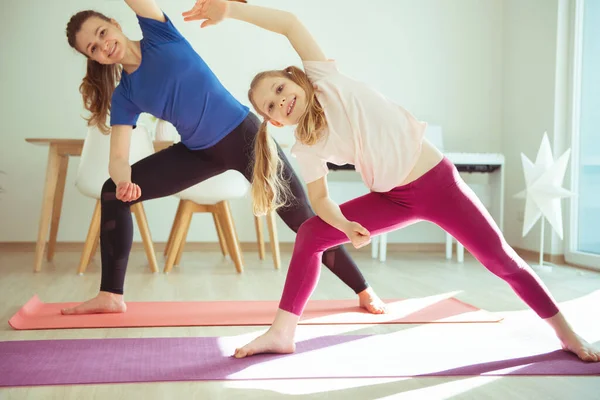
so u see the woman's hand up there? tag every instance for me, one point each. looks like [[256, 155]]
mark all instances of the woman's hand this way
[[128, 191], [357, 234], [212, 11]]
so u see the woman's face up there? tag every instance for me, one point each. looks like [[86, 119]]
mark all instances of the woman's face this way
[[101, 40]]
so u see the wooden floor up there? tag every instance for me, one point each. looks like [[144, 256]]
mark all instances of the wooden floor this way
[[207, 276]]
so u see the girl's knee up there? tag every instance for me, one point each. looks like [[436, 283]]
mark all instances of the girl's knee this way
[[504, 261], [314, 232], [310, 228]]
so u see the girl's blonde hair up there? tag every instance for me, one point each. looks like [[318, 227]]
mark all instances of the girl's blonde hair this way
[[269, 189]]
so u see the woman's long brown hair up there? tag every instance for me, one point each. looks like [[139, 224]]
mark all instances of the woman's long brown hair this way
[[100, 80]]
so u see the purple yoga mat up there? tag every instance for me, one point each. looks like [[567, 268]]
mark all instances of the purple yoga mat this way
[[86, 361]]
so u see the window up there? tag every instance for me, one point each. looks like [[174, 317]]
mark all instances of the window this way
[[584, 236]]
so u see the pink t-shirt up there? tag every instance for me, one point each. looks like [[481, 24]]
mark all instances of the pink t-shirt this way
[[364, 128]]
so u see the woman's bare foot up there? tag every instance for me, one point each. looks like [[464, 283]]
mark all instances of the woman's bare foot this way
[[270, 342], [104, 302], [371, 302], [571, 341]]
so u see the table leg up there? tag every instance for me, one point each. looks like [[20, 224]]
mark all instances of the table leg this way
[[382, 247], [57, 208], [374, 246], [52, 170], [497, 197]]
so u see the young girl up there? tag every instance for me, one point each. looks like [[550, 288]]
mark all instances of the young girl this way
[[164, 76], [343, 121]]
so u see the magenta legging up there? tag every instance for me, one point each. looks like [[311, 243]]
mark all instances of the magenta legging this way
[[439, 196]]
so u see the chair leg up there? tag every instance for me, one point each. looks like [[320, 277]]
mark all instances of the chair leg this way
[[230, 234], [274, 239], [185, 218], [93, 234], [260, 238], [182, 244], [95, 249], [219, 229], [57, 206], [142, 221], [173, 229]]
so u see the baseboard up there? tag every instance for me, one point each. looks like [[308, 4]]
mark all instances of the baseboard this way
[[528, 255], [531, 255], [136, 246], [25, 247]]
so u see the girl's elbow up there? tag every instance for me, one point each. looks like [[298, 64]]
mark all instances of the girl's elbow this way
[[291, 23]]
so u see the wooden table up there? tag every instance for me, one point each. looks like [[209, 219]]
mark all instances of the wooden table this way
[[56, 173]]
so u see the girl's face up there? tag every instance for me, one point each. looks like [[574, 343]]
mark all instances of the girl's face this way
[[101, 40], [281, 99]]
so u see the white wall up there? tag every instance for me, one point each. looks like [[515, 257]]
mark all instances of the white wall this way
[[440, 59], [484, 70]]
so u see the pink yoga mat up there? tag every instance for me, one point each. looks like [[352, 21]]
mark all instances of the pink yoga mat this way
[[87, 361], [38, 315]]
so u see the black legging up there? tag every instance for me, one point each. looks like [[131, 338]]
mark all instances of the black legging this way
[[176, 168]]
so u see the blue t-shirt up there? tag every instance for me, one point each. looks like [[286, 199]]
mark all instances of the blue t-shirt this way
[[174, 83]]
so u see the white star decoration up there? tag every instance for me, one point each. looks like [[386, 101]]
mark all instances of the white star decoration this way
[[543, 191]]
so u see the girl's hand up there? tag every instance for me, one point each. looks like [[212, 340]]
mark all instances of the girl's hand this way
[[357, 234], [212, 11], [128, 191]]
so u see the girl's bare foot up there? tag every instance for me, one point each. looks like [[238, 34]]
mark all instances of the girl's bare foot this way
[[278, 339], [270, 342], [581, 348], [571, 341], [371, 302], [104, 302]]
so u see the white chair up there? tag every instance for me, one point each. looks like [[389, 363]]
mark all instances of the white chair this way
[[213, 196], [91, 175]]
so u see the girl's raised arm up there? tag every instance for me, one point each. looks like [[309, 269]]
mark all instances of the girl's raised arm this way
[[146, 9], [278, 21]]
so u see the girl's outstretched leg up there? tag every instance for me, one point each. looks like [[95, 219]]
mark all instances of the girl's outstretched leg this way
[[373, 211], [458, 211]]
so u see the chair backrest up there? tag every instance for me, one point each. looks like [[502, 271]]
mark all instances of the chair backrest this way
[[93, 165]]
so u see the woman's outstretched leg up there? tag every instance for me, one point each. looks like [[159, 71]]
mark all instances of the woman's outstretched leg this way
[[458, 211], [158, 175]]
